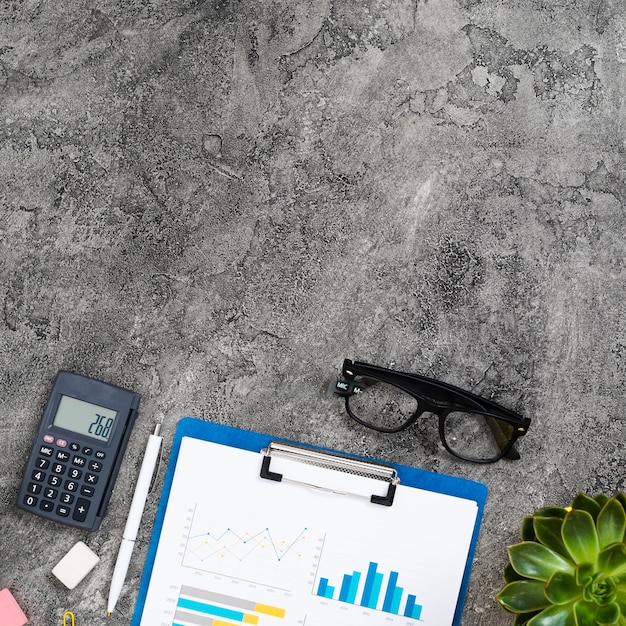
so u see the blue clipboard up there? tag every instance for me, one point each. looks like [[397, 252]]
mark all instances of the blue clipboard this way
[[257, 442]]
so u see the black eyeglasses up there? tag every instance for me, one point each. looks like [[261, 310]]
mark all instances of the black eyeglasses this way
[[470, 427]]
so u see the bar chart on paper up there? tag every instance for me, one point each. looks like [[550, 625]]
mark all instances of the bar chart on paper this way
[[372, 590], [201, 607]]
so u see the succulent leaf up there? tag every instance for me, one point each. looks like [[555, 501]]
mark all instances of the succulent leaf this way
[[536, 561], [554, 615], [611, 523], [608, 614], [511, 575], [548, 532], [521, 619], [585, 614], [528, 529], [551, 511], [620, 598], [523, 596], [601, 499], [580, 536], [612, 560], [621, 498], [562, 588], [583, 502], [584, 573]]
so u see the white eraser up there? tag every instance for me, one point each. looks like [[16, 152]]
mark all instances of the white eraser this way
[[75, 565]]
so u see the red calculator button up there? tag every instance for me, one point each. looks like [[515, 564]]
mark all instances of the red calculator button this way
[[62, 443], [48, 438]]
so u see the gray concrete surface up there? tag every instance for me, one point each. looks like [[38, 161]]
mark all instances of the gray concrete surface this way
[[214, 203]]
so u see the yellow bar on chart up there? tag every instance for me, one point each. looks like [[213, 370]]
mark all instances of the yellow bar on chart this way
[[266, 609]]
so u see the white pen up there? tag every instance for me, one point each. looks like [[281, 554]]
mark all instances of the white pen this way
[[134, 517]]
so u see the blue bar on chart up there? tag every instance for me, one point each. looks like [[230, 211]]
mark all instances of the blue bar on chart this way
[[325, 590], [412, 610], [393, 596], [349, 587], [373, 583], [372, 595]]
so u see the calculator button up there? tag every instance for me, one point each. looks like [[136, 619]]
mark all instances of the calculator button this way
[[71, 485], [58, 468], [30, 500], [87, 491], [79, 461], [74, 447], [81, 510], [42, 463], [46, 451], [55, 481], [63, 456], [46, 505], [87, 451], [67, 498], [63, 510], [50, 493], [62, 443], [38, 476], [33, 488], [95, 466], [48, 438], [100, 454], [91, 479], [74, 473]]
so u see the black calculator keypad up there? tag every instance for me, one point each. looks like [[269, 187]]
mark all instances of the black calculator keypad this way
[[64, 481]]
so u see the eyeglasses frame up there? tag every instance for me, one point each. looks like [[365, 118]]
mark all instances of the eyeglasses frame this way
[[413, 385]]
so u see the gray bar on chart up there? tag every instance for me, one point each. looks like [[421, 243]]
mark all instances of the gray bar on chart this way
[[209, 596], [193, 618]]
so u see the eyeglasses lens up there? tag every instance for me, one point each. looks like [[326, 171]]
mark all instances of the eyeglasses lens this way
[[475, 436], [382, 406]]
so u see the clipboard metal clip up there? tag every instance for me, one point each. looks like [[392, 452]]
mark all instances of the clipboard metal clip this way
[[333, 461]]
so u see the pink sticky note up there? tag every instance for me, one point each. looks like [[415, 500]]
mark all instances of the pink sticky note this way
[[10, 612]]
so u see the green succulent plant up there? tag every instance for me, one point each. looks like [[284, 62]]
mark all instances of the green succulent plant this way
[[570, 568]]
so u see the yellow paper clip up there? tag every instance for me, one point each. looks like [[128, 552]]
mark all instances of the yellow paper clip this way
[[68, 615]]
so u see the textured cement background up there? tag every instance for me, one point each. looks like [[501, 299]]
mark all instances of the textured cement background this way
[[214, 203]]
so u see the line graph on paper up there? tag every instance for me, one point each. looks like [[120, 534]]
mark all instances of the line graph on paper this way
[[241, 547]]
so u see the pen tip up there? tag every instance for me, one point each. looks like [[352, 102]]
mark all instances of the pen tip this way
[[109, 614]]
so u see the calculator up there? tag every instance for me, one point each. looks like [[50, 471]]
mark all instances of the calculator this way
[[78, 450]]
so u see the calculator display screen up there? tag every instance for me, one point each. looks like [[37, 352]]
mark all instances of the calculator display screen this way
[[85, 418]]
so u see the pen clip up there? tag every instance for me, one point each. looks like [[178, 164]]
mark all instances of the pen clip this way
[[156, 472], [68, 615]]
